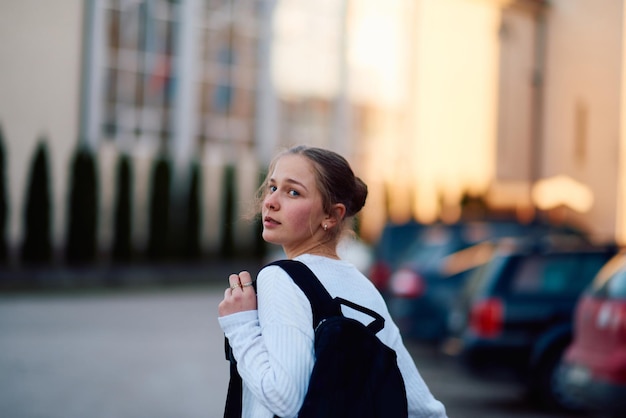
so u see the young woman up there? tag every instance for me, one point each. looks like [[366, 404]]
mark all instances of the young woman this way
[[305, 202]]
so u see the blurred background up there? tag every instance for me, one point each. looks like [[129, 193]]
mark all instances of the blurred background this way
[[134, 133], [139, 130]]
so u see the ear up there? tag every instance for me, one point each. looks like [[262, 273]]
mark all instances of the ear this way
[[337, 213]]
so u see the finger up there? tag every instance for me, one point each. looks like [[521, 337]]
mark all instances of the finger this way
[[234, 281], [246, 280]]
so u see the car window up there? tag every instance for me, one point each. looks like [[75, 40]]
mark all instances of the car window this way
[[538, 274], [433, 244], [395, 239], [592, 263], [562, 274], [479, 278], [430, 255], [617, 285]]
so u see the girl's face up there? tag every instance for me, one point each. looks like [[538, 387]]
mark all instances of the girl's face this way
[[292, 208]]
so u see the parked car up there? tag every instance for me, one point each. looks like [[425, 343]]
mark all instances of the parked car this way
[[594, 366], [513, 318], [435, 267], [388, 249], [419, 290]]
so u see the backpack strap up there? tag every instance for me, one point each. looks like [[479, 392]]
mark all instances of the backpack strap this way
[[323, 305], [374, 326]]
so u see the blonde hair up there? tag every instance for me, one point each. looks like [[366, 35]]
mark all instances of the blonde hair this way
[[334, 177]]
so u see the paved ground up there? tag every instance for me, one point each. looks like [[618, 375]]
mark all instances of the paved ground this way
[[159, 354], [464, 397], [133, 355]]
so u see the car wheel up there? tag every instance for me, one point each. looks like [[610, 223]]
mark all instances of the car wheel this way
[[550, 385]]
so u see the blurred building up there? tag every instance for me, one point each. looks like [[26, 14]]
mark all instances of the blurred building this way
[[516, 101], [561, 143], [196, 80]]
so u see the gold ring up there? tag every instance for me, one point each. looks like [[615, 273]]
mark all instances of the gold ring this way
[[246, 284], [235, 286]]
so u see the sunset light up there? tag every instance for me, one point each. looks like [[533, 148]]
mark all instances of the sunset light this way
[[432, 136]]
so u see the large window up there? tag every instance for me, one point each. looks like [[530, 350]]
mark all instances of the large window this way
[[139, 79], [228, 40], [146, 66]]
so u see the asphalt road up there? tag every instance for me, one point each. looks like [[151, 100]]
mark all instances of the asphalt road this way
[[159, 354]]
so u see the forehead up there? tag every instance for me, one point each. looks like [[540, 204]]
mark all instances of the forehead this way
[[295, 167]]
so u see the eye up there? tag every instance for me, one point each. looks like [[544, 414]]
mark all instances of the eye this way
[[272, 188], [293, 193]]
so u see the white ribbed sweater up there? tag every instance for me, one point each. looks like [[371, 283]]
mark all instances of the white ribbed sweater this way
[[274, 344]]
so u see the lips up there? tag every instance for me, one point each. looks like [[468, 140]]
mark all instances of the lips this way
[[269, 221]]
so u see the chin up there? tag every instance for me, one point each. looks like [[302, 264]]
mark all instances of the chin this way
[[267, 237]]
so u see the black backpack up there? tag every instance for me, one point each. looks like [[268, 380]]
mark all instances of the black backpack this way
[[355, 374]]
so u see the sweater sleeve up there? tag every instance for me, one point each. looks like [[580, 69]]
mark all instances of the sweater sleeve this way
[[274, 344], [421, 402]]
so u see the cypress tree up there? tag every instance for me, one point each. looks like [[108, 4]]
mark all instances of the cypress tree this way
[[122, 248], [194, 203], [228, 213], [3, 201], [37, 246], [83, 208], [158, 241]]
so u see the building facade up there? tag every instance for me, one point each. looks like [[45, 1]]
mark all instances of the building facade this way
[[430, 101], [561, 110]]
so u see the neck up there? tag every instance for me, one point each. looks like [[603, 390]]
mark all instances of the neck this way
[[324, 249]]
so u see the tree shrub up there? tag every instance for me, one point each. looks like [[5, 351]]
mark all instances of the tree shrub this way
[[82, 223], [36, 246], [158, 240], [192, 220], [122, 233], [3, 201], [228, 213]]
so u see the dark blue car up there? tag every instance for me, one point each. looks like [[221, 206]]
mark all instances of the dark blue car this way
[[394, 240], [513, 318], [431, 272]]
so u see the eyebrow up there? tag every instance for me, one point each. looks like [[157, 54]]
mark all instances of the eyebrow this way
[[291, 181]]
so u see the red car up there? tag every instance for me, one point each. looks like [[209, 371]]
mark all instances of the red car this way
[[594, 366]]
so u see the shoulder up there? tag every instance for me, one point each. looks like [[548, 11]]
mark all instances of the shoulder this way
[[280, 300], [272, 276], [275, 283]]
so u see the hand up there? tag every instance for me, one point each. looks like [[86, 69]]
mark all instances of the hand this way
[[240, 296]]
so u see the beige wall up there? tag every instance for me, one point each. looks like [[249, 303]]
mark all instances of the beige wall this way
[[621, 183], [582, 101], [516, 111], [40, 46], [579, 53], [515, 96]]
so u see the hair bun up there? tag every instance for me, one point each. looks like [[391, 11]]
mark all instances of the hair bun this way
[[358, 197]]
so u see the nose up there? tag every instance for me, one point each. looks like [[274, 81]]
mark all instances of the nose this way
[[271, 202]]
